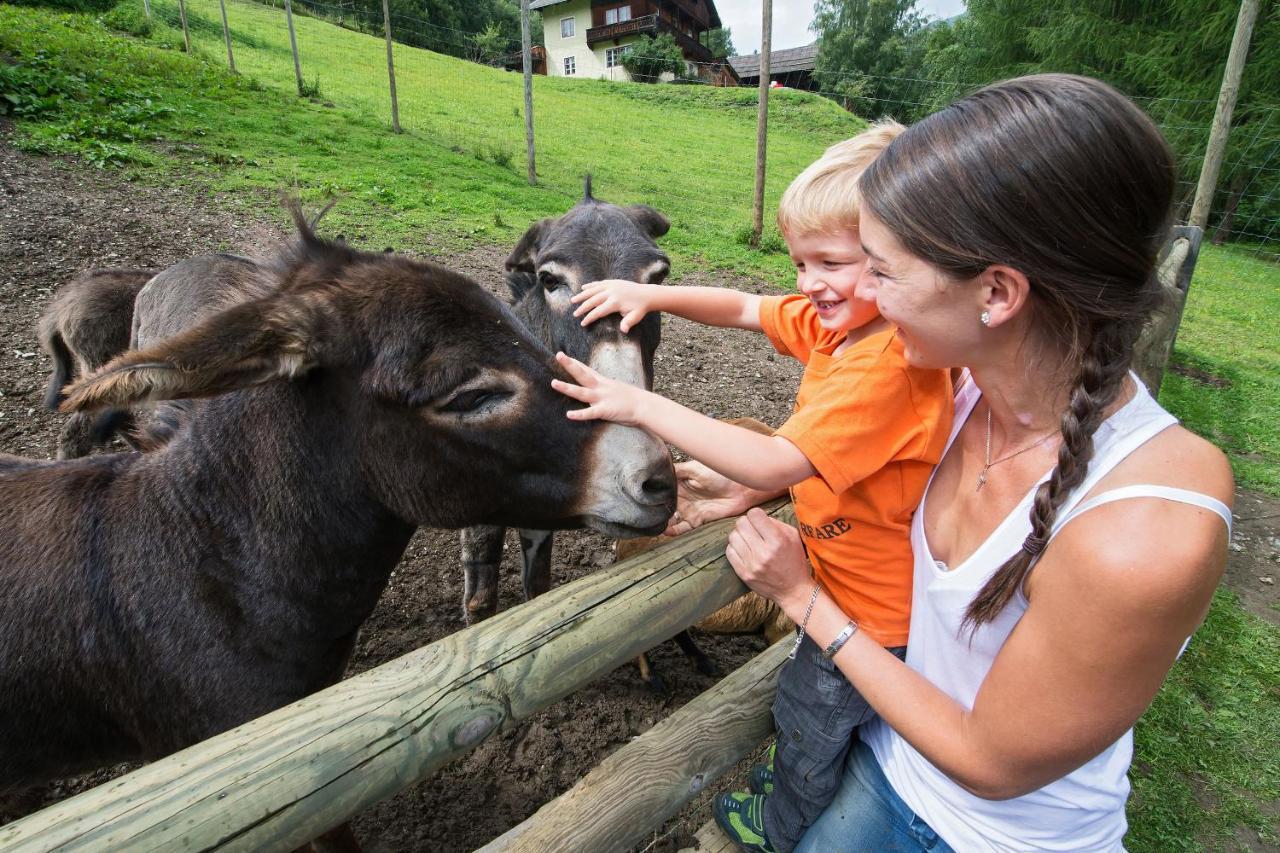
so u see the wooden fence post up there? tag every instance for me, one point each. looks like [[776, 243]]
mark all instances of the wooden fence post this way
[[526, 51], [293, 43], [762, 122], [186, 35], [226, 34], [618, 804], [1173, 271], [1217, 146], [391, 69]]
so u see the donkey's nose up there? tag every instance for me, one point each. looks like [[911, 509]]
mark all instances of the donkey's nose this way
[[659, 487]]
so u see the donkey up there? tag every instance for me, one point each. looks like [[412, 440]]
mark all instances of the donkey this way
[[85, 326], [155, 599], [552, 261]]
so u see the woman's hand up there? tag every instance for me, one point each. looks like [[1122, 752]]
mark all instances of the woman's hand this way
[[704, 495], [606, 399], [614, 296], [770, 559]]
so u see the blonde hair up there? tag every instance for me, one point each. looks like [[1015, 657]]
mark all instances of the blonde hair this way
[[824, 198]]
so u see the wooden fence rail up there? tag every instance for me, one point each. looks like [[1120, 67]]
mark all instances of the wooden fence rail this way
[[646, 781], [285, 778]]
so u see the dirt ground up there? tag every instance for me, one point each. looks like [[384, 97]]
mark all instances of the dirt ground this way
[[57, 218]]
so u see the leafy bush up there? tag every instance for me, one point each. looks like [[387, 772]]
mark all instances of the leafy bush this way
[[71, 5], [128, 17], [650, 57]]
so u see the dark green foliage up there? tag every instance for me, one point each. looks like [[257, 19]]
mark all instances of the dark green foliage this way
[[869, 51], [653, 56], [69, 5], [719, 42], [1167, 54]]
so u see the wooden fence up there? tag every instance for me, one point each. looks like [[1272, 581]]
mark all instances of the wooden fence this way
[[280, 780]]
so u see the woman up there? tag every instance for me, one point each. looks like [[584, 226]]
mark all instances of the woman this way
[[1071, 538]]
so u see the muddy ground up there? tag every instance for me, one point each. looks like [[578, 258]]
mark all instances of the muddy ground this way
[[59, 217]]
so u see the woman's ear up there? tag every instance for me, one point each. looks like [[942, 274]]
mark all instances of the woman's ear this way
[[1005, 292]]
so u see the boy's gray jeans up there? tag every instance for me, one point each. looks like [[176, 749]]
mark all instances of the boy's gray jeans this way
[[816, 712]]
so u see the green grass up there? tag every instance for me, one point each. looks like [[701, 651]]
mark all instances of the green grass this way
[[1207, 750], [1230, 342]]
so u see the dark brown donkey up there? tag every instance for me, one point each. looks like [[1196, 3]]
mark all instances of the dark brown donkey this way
[[87, 325], [156, 599], [553, 260]]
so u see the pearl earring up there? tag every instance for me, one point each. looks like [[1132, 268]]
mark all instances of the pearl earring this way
[[985, 319]]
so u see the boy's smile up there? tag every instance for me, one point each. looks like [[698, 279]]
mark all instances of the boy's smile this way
[[829, 270]]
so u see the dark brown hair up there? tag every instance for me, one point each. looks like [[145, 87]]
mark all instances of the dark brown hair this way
[[1066, 180]]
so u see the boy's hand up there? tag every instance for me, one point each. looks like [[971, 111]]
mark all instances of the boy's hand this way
[[770, 559], [704, 495], [613, 296], [606, 399]]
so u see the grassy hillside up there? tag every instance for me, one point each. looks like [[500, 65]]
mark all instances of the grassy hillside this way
[[459, 168]]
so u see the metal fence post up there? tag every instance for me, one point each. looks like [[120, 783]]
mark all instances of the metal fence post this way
[[762, 122], [391, 69], [527, 55], [226, 34], [293, 43]]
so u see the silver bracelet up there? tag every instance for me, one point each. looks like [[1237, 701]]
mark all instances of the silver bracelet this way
[[807, 613], [838, 643]]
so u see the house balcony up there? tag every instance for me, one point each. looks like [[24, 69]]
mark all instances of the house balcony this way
[[649, 25]]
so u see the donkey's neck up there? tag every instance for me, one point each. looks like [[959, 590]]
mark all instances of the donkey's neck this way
[[270, 483]]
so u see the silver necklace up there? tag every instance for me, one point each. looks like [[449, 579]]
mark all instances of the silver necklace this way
[[982, 475]]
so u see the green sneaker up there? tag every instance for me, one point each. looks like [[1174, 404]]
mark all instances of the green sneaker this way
[[761, 780], [741, 816]]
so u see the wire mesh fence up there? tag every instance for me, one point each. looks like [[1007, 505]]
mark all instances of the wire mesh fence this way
[[1245, 210]]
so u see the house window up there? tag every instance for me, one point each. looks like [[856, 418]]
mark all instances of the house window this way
[[570, 66], [566, 28], [613, 56], [617, 15]]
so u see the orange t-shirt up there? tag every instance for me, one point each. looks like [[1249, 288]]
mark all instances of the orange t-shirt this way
[[873, 427]]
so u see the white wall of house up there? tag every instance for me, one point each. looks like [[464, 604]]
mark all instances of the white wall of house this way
[[588, 63]]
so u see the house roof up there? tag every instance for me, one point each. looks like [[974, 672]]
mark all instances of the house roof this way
[[780, 61], [703, 10]]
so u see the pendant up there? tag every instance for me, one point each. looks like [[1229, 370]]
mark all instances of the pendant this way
[[982, 479]]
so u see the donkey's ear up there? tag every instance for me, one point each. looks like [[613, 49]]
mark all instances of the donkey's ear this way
[[649, 220], [246, 345], [522, 256]]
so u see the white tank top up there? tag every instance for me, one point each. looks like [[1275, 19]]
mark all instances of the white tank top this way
[[1084, 810]]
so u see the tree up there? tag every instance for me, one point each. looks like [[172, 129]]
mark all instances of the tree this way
[[1167, 54], [652, 56], [869, 53], [719, 41]]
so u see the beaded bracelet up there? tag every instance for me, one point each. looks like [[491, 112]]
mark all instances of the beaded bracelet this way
[[803, 624]]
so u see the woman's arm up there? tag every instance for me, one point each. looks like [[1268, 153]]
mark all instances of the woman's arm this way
[[711, 306], [762, 462], [1108, 614]]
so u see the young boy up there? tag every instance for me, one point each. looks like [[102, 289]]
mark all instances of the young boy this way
[[856, 453]]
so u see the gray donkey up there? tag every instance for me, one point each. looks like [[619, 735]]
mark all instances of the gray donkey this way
[[155, 599], [553, 260]]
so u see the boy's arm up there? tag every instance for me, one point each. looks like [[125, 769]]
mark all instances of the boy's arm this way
[[711, 306], [761, 462]]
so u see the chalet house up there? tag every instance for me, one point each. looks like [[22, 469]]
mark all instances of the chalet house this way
[[588, 38], [792, 67]]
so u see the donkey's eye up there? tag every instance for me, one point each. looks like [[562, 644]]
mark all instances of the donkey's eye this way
[[551, 281], [474, 400]]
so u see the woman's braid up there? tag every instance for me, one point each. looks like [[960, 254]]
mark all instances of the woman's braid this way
[[1103, 367]]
